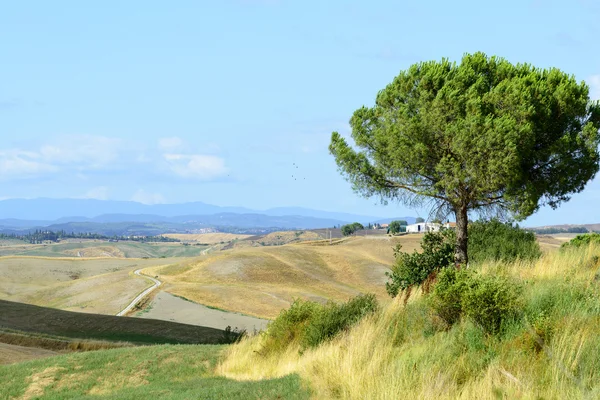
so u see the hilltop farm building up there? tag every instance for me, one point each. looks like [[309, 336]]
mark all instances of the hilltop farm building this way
[[428, 227]]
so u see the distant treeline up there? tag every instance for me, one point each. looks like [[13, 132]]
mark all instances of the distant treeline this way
[[40, 236], [551, 231]]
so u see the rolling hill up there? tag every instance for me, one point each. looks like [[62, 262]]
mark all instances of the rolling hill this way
[[260, 281]]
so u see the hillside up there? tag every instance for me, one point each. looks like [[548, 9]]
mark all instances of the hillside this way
[[102, 248], [207, 238], [103, 286], [42, 320], [260, 281], [549, 349]]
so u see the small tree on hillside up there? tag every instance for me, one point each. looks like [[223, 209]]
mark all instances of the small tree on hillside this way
[[351, 229], [396, 227], [483, 135], [419, 220]]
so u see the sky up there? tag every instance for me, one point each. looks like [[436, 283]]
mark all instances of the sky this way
[[233, 102]]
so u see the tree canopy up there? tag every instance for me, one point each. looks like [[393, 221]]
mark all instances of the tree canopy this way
[[481, 135], [397, 227], [350, 229]]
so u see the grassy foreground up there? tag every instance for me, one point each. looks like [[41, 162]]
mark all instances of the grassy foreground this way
[[165, 372], [405, 351]]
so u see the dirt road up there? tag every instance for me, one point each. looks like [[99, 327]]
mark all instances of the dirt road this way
[[157, 283]]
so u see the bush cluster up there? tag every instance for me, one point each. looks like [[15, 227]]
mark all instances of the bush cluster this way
[[582, 240], [489, 301], [309, 323], [496, 241], [413, 269]]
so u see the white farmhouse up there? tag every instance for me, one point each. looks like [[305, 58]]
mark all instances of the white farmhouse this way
[[423, 227]]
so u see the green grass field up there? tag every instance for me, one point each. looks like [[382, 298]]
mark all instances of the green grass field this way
[[165, 372]]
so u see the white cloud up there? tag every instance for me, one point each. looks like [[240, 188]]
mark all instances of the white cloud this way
[[84, 157], [170, 143], [196, 166], [23, 164], [594, 83], [89, 151], [75, 152], [98, 193], [141, 196]]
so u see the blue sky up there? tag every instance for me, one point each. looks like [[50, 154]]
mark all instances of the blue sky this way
[[216, 101]]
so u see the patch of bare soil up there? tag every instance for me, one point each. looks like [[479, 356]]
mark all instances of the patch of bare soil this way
[[10, 353], [168, 307]]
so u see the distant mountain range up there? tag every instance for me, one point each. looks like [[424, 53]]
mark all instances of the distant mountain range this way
[[125, 217]]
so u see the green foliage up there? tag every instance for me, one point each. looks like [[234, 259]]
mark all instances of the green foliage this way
[[414, 269], [497, 241], [397, 227], [582, 240], [309, 323], [290, 325], [351, 229], [334, 318], [446, 298], [479, 134], [419, 220], [489, 301]]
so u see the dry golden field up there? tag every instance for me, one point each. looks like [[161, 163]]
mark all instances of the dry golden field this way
[[102, 286], [553, 242], [261, 281], [207, 238]]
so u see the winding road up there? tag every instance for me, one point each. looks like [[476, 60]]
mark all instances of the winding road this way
[[146, 292]]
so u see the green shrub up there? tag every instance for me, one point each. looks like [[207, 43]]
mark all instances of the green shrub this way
[[290, 325], [334, 318], [582, 240], [497, 241], [309, 323], [414, 269], [446, 298], [490, 301]]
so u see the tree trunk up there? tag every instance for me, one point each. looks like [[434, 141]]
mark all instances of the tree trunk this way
[[461, 257]]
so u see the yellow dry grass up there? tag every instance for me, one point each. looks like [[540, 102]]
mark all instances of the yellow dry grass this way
[[95, 252], [284, 237], [208, 238], [39, 381], [551, 242], [260, 281], [366, 363], [94, 285]]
